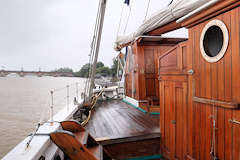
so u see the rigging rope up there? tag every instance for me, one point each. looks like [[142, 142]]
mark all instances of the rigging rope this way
[[121, 17], [147, 10], [130, 10], [120, 21], [170, 3], [118, 68], [92, 51], [213, 145]]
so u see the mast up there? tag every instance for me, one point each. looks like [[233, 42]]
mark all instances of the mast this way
[[99, 27]]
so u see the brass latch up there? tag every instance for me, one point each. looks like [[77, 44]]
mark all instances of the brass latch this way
[[173, 121], [234, 121], [190, 71]]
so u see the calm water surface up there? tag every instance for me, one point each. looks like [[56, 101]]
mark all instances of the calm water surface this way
[[25, 101]]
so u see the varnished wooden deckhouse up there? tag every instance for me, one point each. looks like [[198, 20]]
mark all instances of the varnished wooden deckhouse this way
[[141, 74], [193, 83]]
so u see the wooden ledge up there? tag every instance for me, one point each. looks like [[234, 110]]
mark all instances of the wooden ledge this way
[[126, 138], [228, 105], [165, 28]]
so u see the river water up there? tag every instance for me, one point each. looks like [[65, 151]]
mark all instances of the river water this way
[[25, 101]]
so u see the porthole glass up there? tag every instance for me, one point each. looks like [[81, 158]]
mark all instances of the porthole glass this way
[[214, 41]]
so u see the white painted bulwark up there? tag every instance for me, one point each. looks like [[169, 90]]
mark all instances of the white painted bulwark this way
[[41, 145], [131, 100]]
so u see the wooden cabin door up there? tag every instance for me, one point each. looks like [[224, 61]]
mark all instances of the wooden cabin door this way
[[150, 75], [167, 112], [172, 112], [128, 85]]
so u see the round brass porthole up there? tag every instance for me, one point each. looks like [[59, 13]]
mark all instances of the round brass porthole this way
[[214, 41]]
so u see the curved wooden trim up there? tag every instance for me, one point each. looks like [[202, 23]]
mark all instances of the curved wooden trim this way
[[72, 126], [68, 143]]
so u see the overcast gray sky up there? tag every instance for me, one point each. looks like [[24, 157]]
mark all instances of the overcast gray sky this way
[[57, 33]]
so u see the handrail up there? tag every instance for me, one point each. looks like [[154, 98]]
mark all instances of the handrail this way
[[68, 96], [52, 104], [228, 105]]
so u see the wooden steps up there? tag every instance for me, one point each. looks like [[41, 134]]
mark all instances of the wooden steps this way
[[77, 143]]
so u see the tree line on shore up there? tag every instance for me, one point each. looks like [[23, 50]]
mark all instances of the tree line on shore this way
[[101, 70]]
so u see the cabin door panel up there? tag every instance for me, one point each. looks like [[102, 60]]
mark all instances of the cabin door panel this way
[[149, 68], [167, 128], [173, 106], [180, 106]]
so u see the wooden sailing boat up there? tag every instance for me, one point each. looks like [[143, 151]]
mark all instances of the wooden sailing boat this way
[[182, 96]]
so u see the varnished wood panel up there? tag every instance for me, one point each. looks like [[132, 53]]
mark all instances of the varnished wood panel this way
[[149, 61], [180, 96], [165, 120], [174, 60], [218, 84], [150, 87], [213, 97], [145, 74], [170, 60], [172, 108], [173, 101]]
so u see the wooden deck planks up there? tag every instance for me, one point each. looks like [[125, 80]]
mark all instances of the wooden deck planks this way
[[116, 119]]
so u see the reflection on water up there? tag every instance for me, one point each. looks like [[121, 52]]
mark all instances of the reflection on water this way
[[24, 101]]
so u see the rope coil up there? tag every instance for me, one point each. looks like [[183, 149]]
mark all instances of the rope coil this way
[[92, 105]]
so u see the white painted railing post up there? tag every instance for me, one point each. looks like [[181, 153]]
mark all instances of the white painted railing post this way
[[51, 109], [67, 97], [77, 91]]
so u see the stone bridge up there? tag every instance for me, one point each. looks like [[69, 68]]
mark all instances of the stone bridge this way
[[4, 73]]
